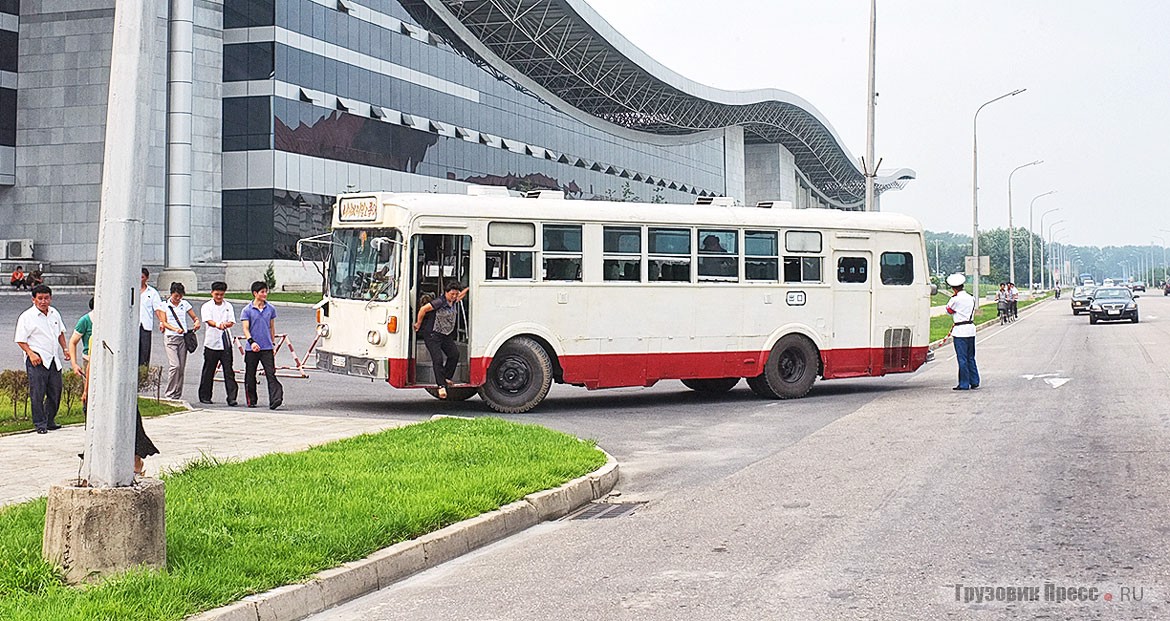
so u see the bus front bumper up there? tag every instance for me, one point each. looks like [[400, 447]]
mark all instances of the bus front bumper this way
[[373, 368]]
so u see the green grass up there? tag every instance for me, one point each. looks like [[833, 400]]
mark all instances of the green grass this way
[[148, 407], [241, 528], [940, 326]]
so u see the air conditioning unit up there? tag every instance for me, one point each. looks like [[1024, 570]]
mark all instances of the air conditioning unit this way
[[716, 201], [18, 249]]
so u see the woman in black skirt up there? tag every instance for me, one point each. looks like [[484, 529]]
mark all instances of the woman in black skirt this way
[[143, 447]]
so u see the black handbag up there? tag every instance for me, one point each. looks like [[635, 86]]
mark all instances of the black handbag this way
[[190, 340]]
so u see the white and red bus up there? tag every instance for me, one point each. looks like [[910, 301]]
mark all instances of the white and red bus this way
[[604, 294]]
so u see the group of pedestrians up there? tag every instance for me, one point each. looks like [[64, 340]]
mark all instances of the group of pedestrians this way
[[176, 319], [1007, 300], [40, 334]]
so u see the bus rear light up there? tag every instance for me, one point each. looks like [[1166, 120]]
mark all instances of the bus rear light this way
[[374, 337], [392, 325], [318, 315]]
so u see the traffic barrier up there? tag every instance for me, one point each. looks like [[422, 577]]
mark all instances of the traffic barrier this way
[[294, 370]]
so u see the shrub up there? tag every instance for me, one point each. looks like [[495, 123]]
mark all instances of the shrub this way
[[150, 377], [72, 385], [270, 277], [14, 385]]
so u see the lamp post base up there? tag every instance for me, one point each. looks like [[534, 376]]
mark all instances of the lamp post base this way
[[94, 532]]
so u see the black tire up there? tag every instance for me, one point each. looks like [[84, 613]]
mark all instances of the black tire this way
[[457, 393], [1092, 319], [519, 377], [792, 367], [711, 386], [759, 385], [1135, 318]]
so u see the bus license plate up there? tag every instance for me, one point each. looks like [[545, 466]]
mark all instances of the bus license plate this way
[[339, 361]]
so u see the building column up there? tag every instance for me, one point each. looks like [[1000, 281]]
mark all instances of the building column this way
[[180, 102], [734, 164]]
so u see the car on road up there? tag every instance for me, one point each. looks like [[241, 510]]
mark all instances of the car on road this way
[[1081, 298], [1138, 286], [1166, 288], [1113, 304]]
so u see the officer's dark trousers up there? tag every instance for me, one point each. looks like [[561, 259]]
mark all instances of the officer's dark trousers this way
[[211, 358], [265, 358], [44, 387], [444, 356], [144, 342], [965, 355]]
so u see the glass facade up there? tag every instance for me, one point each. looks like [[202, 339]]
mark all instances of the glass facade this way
[[484, 130]]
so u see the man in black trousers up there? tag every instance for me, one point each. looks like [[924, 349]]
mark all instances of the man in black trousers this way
[[219, 317]]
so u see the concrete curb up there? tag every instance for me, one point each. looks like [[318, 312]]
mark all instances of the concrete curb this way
[[389, 565], [987, 324]]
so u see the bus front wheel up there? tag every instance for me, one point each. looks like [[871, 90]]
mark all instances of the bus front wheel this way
[[791, 369], [711, 386], [519, 377]]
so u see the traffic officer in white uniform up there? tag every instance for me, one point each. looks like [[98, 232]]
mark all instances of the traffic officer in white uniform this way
[[962, 310]]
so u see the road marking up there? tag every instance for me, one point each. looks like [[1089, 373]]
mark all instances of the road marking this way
[[1057, 382], [1040, 375]]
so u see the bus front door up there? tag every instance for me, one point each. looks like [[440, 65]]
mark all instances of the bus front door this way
[[851, 353], [437, 261]]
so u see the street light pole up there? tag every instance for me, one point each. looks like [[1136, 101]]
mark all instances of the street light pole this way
[[870, 164], [1051, 232], [1163, 258], [1011, 229], [975, 186], [1031, 234], [937, 262], [1042, 216]]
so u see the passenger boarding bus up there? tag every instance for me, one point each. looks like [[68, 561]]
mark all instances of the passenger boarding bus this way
[[604, 294]]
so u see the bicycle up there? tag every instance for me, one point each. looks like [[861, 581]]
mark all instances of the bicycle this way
[[1005, 314]]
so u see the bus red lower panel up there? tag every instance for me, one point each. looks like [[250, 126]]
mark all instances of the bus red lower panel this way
[[618, 370]]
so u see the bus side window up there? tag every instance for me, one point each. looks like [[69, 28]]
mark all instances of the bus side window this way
[[897, 268], [761, 255], [622, 248], [852, 270], [673, 250], [512, 265], [562, 252], [802, 269], [718, 255]]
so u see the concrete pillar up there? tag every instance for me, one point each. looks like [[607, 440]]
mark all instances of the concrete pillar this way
[[734, 172], [93, 533], [180, 103]]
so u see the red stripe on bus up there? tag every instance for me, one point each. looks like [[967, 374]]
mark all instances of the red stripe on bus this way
[[618, 370]]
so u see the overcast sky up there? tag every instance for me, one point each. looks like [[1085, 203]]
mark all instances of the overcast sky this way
[[1097, 108]]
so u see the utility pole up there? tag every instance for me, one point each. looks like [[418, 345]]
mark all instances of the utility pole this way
[[869, 164], [937, 262]]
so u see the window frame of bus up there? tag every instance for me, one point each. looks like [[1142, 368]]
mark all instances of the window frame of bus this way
[[568, 255], [751, 256], [803, 265], [853, 281], [508, 258], [798, 241], [709, 257], [897, 279], [671, 258], [617, 256]]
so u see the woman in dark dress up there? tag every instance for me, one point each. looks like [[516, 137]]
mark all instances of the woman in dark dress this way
[[143, 447]]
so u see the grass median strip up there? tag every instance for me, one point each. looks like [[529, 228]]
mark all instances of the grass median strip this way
[[240, 528], [940, 325], [71, 416]]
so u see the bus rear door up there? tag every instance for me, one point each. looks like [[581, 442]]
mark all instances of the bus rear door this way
[[850, 354]]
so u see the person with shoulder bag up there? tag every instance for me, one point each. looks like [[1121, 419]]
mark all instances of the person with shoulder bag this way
[[180, 339]]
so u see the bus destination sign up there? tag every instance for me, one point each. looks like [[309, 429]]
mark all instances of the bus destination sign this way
[[363, 209]]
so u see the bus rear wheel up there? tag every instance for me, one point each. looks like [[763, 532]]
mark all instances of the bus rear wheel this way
[[711, 386], [454, 393], [791, 369], [518, 378]]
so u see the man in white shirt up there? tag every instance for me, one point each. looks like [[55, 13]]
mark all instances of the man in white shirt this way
[[962, 310], [40, 333], [219, 316], [150, 303]]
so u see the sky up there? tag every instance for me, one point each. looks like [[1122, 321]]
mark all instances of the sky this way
[[1096, 109]]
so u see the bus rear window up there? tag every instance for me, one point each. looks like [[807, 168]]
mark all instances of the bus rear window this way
[[897, 268]]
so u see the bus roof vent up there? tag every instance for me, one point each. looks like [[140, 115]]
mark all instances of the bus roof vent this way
[[545, 194], [487, 190], [716, 201], [773, 205]]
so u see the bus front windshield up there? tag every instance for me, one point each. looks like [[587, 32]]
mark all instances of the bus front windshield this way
[[364, 264]]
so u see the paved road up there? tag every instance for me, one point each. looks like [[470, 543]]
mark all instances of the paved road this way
[[868, 500]]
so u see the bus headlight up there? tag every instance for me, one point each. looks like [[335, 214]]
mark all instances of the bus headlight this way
[[374, 337], [323, 330], [372, 368]]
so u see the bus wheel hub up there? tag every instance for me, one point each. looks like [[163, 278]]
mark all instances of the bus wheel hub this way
[[513, 375]]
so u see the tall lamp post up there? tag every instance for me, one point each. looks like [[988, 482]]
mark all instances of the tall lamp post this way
[[975, 186], [1042, 216], [1051, 232], [1031, 234], [1163, 257], [870, 165], [1011, 230]]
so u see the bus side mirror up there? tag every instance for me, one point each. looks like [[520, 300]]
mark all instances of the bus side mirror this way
[[383, 246]]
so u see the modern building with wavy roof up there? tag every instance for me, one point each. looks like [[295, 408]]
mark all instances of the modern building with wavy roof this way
[[294, 101]]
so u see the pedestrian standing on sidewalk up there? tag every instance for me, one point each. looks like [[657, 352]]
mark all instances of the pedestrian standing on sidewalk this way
[[219, 316], [173, 317], [962, 311], [150, 303], [259, 322], [40, 333]]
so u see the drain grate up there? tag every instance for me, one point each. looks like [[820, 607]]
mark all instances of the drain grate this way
[[604, 510]]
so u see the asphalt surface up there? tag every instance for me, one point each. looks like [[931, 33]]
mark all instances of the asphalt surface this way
[[868, 499]]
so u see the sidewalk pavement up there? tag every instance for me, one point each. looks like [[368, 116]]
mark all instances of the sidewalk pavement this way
[[32, 462]]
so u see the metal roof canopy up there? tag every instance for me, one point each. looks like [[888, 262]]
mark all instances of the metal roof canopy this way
[[567, 50]]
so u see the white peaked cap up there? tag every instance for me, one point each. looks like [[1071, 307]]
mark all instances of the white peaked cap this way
[[956, 280]]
